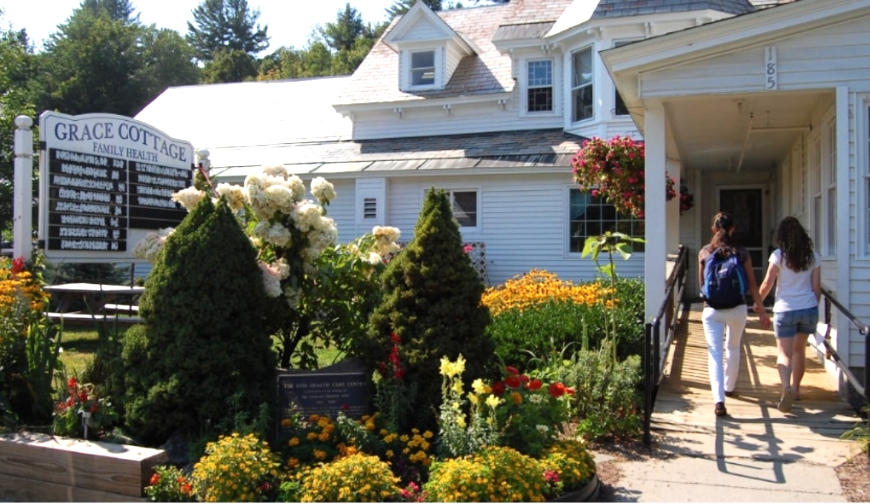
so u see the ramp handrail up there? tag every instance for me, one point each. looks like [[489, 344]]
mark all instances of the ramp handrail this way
[[655, 351]]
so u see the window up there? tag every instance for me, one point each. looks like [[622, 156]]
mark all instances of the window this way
[[619, 107], [464, 205], [829, 172], [540, 86], [591, 216], [581, 85], [423, 68]]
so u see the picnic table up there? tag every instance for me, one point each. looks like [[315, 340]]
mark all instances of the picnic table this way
[[100, 303]]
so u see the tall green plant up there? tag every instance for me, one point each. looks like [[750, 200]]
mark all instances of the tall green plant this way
[[609, 243], [432, 300]]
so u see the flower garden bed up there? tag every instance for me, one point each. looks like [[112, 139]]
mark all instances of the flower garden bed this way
[[40, 467]]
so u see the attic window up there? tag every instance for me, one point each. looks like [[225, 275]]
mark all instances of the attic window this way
[[540, 86], [423, 68]]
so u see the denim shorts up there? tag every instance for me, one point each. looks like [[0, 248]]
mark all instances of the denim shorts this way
[[788, 324]]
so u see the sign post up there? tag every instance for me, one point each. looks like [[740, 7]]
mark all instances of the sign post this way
[[105, 182], [22, 206]]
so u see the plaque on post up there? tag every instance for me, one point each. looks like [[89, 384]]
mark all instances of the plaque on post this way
[[343, 388]]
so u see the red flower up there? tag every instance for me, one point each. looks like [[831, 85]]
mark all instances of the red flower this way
[[186, 489], [468, 248], [155, 479], [395, 338], [498, 389], [72, 383], [556, 390], [512, 381], [569, 391], [535, 384], [524, 379], [512, 371], [17, 265]]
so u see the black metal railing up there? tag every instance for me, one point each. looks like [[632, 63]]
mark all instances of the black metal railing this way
[[656, 349]]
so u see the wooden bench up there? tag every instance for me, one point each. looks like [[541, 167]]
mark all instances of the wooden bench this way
[[40, 468]]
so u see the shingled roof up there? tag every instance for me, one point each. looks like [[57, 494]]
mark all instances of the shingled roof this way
[[627, 8]]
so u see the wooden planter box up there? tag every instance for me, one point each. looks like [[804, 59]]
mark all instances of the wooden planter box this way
[[41, 467]]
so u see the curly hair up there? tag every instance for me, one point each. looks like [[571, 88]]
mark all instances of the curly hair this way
[[795, 244], [722, 240]]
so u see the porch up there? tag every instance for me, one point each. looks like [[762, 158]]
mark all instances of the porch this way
[[754, 426]]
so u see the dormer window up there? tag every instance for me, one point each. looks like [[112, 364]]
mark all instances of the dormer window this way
[[540, 86], [423, 68], [581, 85]]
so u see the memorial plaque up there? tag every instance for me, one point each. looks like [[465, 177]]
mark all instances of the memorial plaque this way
[[326, 392]]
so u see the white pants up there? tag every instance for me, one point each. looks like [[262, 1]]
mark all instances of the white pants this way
[[723, 328]]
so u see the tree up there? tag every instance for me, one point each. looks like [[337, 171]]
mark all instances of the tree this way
[[117, 10], [96, 63], [348, 26], [403, 6], [226, 24], [431, 301], [16, 98], [229, 65]]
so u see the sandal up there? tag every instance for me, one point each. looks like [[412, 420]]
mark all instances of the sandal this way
[[720, 409]]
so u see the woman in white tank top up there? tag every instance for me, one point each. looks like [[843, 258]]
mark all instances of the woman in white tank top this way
[[795, 269]]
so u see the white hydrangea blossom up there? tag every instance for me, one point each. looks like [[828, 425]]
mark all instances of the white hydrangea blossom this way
[[188, 197], [279, 235], [271, 280], [322, 190], [148, 247], [387, 237], [234, 195], [307, 215], [276, 171]]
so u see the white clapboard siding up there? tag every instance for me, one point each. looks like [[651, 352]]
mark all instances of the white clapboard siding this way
[[817, 59], [461, 119]]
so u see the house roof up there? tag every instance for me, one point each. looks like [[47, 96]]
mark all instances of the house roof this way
[[540, 149], [251, 124]]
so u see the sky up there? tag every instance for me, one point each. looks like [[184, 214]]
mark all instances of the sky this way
[[290, 22]]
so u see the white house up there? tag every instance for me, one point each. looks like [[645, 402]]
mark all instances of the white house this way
[[761, 111]]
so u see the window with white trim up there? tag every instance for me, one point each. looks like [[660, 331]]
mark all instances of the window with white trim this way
[[866, 175], [422, 68], [581, 85], [829, 172], [619, 106], [592, 216], [815, 169], [465, 206], [539, 84]]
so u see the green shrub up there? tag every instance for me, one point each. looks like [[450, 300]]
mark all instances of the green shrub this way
[[606, 395], [355, 478], [235, 469], [495, 474], [204, 338], [432, 302]]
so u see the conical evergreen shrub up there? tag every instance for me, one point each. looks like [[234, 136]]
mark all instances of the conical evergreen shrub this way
[[204, 338], [432, 302]]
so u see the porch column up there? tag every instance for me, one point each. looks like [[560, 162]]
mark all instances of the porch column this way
[[655, 208], [672, 244]]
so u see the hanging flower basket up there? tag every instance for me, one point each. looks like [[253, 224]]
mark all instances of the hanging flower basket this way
[[687, 201], [614, 170]]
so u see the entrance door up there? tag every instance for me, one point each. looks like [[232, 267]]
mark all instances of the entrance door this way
[[747, 208]]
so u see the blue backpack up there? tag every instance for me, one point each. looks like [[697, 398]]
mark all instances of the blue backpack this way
[[724, 280]]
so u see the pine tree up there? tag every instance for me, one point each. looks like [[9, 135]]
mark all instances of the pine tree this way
[[432, 302], [204, 341], [226, 25]]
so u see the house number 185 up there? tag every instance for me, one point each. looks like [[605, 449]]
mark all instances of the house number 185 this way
[[770, 73]]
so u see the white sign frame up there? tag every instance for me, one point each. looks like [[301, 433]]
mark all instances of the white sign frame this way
[[105, 183]]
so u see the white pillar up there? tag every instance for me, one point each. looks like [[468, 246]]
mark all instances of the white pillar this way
[[673, 211], [22, 206], [655, 209]]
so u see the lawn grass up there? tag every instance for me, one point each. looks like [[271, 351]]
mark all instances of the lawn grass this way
[[80, 345], [78, 348]]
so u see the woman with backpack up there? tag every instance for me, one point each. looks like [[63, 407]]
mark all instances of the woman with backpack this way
[[725, 274], [796, 269]]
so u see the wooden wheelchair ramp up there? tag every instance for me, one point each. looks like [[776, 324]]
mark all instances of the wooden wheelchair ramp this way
[[683, 418]]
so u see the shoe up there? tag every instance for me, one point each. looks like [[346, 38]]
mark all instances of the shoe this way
[[786, 400], [732, 393], [720, 409]]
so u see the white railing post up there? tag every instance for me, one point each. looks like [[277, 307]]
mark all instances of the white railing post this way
[[22, 207]]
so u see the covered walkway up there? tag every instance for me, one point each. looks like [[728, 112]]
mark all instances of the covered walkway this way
[[754, 427]]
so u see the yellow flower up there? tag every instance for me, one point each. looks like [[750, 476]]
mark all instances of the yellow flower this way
[[478, 386], [493, 401]]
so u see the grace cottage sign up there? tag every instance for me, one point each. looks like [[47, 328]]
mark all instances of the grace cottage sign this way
[[105, 182]]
